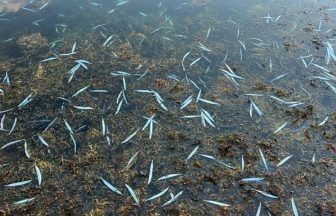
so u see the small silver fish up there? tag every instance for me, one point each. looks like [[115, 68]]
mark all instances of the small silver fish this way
[[150, 173], [111, 187], [16, 184], [131, 191], [168, 176], [158, 195], [130, 136], [38, 175], [217, 203]]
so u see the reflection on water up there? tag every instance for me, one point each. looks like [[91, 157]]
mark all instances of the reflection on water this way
[[12, 5], [202, 107]]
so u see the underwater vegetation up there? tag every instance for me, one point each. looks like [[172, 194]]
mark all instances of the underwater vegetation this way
[[198, 107]]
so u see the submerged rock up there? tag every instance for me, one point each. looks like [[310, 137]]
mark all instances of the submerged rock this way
[[32, 44]]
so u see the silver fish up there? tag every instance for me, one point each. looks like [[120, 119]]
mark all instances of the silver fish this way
[[130, 137], [280, 128], [284, 160], [185, 56], [23, 201], [168, 176], [259, 210], [42, 140], [150, 173], [13, 127], [252, 179], [192, 153], [131, 191], [267, 194], [295, 211], [38, 175], [16, 184], [217, 203], [111, 187], [132, 160], [158, 195], [263, 159]]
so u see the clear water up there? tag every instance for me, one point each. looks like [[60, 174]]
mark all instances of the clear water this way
[[244, 57]]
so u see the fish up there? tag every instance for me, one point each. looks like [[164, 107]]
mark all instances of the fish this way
[[131, 191], [208, 156], [209, 102], [206, 118], [111, 187], [103, 127], [252, 179], [263, 159], [95, 4], [118, 107], [186, 102], [49, 125], [68, 126], [217, 203], [74, 142], [16, 184], [278, 77], [6, 79], [295, 211], [98, 91], [150, 173], [259, 210], [120, 3], [195, 61], [36, 22], [28, 9], [208, 33], [107, 40], [49, 59], [38, 175], [168, 176], [173, 198], [280, 128], [242, 163], [42, 140], [184, 57], [158, 195], [130, 136], [73, 47], [284, 160], [83, 107], [159, 100], [27, 100], [199, 95], [26, 150], [256, 108], [324, 121], [2, 122], [192, 153], [320, 67], [13, 127], [267, 194], [80, 91], [203, 47], [242, 44], [43, 6], [108, 140], [23, 201], [132, 160], [97, 26]]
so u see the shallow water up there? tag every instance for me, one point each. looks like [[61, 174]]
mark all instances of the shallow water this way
[[254, 75]]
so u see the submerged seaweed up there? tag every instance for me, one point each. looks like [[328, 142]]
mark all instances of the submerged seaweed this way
[[179, 108]]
